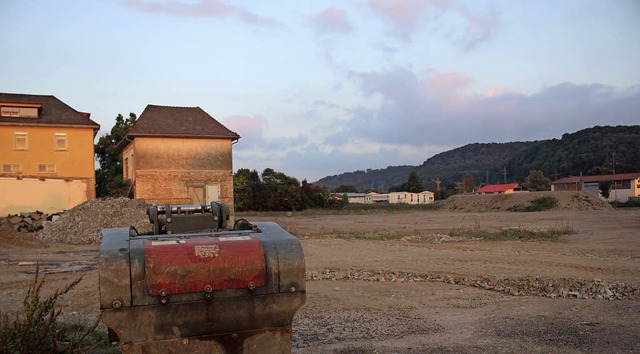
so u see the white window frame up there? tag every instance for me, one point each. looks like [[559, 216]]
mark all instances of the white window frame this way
[[46, 168], [11, 168], [20, 135], [62, 137]]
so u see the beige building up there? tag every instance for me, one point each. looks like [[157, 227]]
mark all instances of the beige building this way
[[179, 155], [425, 197], [46, 154]]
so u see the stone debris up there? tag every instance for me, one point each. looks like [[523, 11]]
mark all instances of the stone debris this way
[[83, 224], [512, 285], [26, 221]]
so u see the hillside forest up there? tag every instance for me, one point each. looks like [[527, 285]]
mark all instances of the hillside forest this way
[[592, 151], [534, 164]]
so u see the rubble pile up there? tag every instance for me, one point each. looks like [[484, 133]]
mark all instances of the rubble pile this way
[[512, 285], [26, 222], [83, 224]]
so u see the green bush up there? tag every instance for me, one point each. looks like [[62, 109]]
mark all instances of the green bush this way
[[37, 328], [538, 204], [633, 202]]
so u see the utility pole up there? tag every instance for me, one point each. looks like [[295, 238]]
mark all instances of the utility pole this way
[[487, 177], [504, 171], [614, 163]]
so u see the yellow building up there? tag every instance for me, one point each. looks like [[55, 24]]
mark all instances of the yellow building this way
[[46, 154], [179, 155]]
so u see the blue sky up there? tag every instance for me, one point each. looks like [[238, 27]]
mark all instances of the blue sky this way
[[317, 88]]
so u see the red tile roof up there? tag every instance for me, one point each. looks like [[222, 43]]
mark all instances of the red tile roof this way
[[497, 188], [182, 122]]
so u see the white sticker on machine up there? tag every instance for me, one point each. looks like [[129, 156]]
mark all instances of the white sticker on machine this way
[[235, 238]]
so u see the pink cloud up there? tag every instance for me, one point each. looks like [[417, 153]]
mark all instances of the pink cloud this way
[[249, 128], [494, 91], [407, 15], [200, 9], [448, 82], [332, 19]]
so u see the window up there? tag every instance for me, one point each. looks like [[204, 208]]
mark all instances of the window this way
[[21, 141], [11, 168], [19, 112], [10, 111], [60, 142], [46, 168]]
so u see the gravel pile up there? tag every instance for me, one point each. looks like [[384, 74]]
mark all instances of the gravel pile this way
[[516, 286], [83, 224]]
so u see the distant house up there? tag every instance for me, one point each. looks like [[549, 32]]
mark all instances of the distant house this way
[[425, 197], [375, 198], [623, 186], [179, 155], [356, 198], [499, 188], [46, 154]]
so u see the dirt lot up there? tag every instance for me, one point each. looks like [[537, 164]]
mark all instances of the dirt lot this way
[[420, 291]]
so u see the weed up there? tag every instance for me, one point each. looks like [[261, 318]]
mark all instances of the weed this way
[[37, 329], [512, 234]]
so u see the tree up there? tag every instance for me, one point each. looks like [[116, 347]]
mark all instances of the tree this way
[[605, 189], [599, 170], [109, 175], [414, 183], [346, 188], [469, 185], [536, 181], [311, 195], [246, 190], [282, 191]]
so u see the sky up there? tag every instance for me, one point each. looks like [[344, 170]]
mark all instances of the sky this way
[[318, 88]]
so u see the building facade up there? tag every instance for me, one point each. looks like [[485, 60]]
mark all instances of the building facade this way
[[623, 185], [179, 155], [46, 154]]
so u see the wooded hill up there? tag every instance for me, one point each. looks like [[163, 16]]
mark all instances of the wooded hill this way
[[574, 153]]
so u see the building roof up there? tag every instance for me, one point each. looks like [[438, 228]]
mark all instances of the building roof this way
[[51, 111], [598, 178], [179, 122], [497, 188]]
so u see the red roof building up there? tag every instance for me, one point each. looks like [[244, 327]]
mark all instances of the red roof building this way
[[498, 188]]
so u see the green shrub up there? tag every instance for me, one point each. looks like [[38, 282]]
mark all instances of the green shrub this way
[[538, 204], [37, 329], [633, 202]]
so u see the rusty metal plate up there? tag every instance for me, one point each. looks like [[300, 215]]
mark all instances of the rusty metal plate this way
[[199, 264]]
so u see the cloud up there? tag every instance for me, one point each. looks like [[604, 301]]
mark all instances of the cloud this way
[[250, 129], [435, 109], [201, 9], [407, 17], [332, 19]]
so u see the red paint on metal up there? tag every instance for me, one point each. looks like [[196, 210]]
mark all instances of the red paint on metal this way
[[188, 265]]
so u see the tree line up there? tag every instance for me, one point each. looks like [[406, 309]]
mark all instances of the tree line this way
[[275, 191]]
